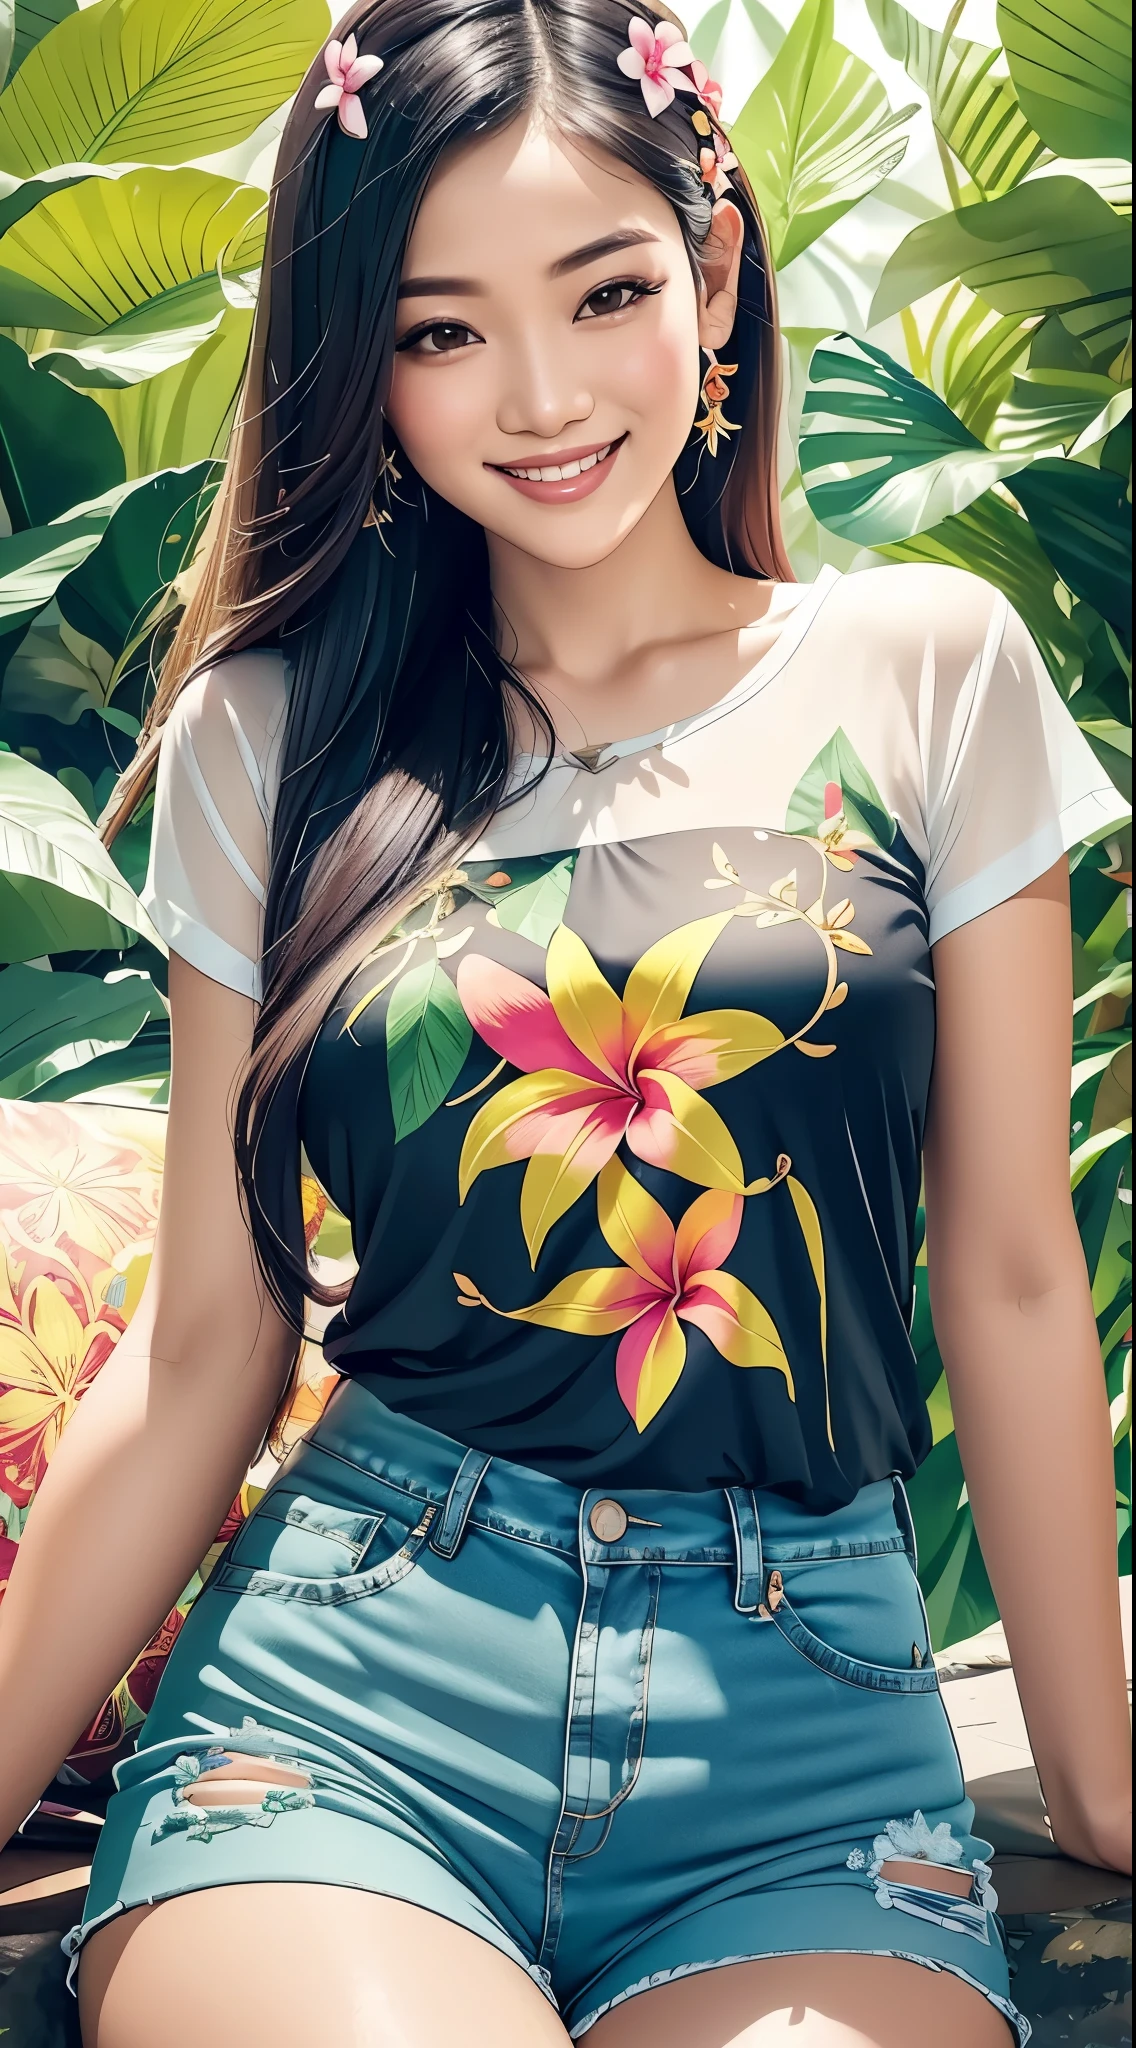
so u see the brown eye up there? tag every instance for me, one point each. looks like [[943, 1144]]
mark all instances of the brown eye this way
[[616, 297], [441, 338]]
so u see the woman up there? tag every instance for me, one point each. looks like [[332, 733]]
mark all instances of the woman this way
[[587, 899]]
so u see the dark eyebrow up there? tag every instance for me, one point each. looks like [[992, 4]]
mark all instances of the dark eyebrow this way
[[441, 288], [608, 245], [467, 287]]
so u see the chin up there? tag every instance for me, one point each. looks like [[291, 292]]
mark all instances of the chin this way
[[569, 537]]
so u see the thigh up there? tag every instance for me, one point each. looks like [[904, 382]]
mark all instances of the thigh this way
[[283, 1965], [808, 2001]]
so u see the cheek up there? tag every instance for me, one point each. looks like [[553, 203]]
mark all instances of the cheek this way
[[438, 413], [659, 372]]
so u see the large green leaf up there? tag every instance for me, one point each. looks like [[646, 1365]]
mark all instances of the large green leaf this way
[[137, 261], [1047, 407], [7, 36], [19, 195], [34, 563], [816, 135], [34, 20], [57, 448], [428, 1039], [975, 111], [882, 456], [155, 81], [185, 413], [121, 357], [53, 1024], [60, 891], [1071, 61], [145, 1058], [146, 544], [1083, 519], [1051, 245], [57, 673]]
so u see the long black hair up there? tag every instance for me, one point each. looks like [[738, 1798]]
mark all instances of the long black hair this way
[[397, 738]]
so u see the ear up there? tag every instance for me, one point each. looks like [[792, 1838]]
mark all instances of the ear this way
[[721, 267]]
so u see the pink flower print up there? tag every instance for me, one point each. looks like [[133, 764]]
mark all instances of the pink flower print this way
[[668, 1277], [347, 71], [595, 1068], [658, 58]]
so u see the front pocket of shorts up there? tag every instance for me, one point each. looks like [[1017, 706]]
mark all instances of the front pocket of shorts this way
[[861, 1620], [297, 1547]]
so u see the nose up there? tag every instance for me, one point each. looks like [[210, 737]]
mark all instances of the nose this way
[[542, 393]]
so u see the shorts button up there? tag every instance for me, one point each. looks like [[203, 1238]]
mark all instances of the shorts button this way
[[608, 1521]]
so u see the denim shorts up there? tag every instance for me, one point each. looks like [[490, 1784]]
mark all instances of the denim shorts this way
[[624, 1737]]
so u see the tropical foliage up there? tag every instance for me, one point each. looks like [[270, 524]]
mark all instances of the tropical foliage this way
[[950, 220], [131, 232], [975, 410]]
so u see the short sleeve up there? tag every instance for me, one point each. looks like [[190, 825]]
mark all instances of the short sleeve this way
[[1011, 780], [217, 771]]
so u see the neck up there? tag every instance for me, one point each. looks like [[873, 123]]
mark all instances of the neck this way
[[583, 628]]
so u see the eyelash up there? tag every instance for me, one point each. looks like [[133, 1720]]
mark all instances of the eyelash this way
[[639, 287]]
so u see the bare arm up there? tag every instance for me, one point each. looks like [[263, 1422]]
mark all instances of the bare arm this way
[[1014, 1318], [163, 1439]]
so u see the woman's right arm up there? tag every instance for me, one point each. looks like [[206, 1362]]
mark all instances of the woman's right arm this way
[[150, 1463]]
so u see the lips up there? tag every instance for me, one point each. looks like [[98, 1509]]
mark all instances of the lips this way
[[575, 473]]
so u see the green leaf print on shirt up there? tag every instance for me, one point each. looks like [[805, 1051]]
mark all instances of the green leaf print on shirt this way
[[530, 895], [428, 1037], [837, 783]]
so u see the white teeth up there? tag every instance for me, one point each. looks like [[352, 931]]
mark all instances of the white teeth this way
[[553, 475]]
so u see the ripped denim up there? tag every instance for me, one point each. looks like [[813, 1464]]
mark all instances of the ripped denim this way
[[935, 1849], [625, 1737]]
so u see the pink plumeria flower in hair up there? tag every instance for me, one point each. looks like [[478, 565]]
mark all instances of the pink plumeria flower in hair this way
[[658, 58], [708, 89], [347, 71]]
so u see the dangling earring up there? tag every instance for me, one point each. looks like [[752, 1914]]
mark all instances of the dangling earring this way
[[389, 472], [715, 391]]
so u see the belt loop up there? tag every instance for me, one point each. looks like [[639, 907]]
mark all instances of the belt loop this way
[[905, 1519], [448, 1532], [747, 1537]]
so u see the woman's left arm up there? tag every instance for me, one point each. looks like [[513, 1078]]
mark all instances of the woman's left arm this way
[[1014, 1320]]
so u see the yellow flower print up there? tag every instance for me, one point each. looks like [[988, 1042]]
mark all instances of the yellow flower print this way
[[53, 1341], [595, 1070], [669, 1277]]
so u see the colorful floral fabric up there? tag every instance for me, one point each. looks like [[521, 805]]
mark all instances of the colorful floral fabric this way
[[79, 1194]]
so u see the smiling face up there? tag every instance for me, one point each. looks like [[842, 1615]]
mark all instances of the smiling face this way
[[547, 368]]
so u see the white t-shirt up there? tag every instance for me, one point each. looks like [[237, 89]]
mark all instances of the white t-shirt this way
[[928, 673]]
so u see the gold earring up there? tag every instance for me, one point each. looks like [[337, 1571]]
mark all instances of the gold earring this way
[[389, 471], [715, 391]]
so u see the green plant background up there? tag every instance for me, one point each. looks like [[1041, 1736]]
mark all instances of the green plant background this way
[[948, 198]]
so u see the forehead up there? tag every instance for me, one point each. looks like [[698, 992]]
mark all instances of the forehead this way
[[525, 196]]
